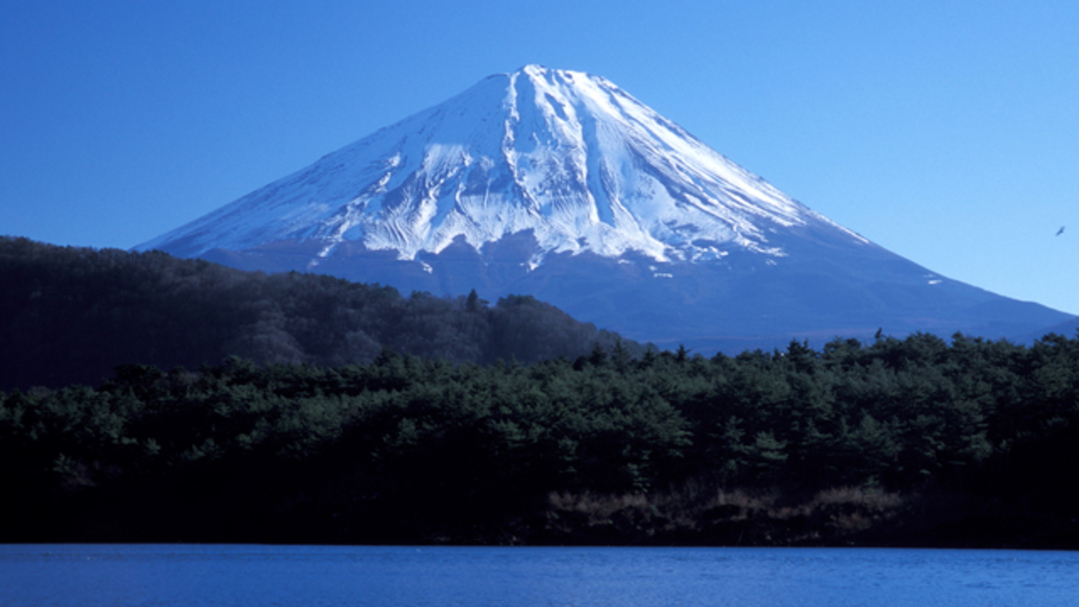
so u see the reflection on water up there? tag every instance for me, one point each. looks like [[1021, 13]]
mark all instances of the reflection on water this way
[[242, 575]]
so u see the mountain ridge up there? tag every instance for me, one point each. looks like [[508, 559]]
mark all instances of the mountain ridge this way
[[561, 185], [560, 163]]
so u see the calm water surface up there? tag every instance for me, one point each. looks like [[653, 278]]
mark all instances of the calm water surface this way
[[250, 575]]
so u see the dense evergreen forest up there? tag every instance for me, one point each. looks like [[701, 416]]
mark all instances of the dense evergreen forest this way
[[916, 441], [69, 315]]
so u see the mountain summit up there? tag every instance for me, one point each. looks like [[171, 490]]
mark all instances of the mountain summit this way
[[569, 156], [559, 184]]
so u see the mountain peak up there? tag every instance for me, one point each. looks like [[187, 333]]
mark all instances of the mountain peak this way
[[568, 156], [536, 70], [561, 185]]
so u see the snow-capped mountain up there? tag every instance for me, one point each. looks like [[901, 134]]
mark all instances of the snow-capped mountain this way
[[569, 156], [560, 184]]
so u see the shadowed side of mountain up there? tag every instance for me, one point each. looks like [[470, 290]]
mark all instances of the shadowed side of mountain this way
[[1068, 328], [820, 291]]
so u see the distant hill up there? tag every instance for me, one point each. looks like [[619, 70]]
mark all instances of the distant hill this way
[[70, 315]]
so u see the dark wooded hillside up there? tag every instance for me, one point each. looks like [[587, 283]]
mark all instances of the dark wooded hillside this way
[[69, 315]]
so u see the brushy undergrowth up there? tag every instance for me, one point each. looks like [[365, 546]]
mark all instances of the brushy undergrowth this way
[[756, 516]]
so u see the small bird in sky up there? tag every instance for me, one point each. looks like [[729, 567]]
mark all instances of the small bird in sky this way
[[1060, 231]]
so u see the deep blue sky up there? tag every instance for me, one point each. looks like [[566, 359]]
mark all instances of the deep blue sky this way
[[947, 132]]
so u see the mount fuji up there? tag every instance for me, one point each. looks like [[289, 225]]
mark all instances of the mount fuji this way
[[560, 185]]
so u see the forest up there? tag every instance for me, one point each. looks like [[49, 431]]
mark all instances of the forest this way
[[897, 442], [69, 315]]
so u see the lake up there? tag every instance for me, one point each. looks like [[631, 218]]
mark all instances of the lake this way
[[384, 576]]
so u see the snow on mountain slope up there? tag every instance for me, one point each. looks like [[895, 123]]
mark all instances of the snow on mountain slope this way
[[569, 156], [560, 185]]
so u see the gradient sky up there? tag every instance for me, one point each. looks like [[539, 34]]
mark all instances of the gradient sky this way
[[947, 132]]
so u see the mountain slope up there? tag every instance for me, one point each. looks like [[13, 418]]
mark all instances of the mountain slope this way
[[561, 185]]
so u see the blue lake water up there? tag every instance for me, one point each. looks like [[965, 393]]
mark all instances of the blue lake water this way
[[243, 575]]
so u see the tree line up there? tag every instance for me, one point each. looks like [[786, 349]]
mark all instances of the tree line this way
[[972, 440]]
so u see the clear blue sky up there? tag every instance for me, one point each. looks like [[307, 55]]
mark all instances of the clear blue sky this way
[[945, 131]]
